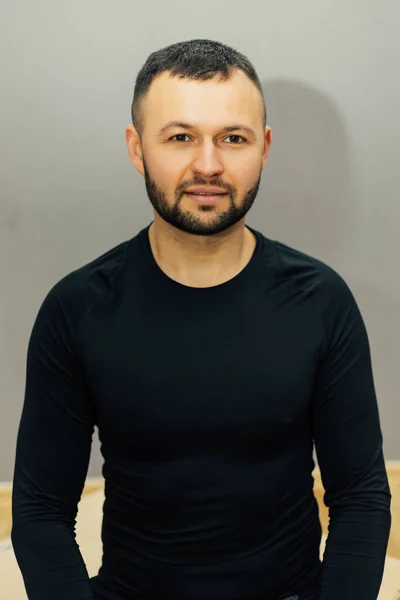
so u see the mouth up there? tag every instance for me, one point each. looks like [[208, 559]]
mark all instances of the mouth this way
[[209, 197]]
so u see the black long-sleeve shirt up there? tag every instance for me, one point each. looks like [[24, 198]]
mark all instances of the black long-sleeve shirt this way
[[208, 402]]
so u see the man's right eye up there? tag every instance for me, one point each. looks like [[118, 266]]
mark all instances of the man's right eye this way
[[178, 135]]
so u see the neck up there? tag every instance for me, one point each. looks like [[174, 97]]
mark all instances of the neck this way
[[201, 261]]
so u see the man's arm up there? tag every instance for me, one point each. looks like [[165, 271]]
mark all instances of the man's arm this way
[[348, 442], [52, 456]]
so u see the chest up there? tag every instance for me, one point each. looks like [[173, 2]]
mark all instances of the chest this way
[[242, 377]]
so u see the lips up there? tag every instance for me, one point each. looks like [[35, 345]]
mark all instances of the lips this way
[[206, 198], [206, 193]]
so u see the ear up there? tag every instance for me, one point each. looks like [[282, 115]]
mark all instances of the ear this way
[[267, 145], [134, 148]]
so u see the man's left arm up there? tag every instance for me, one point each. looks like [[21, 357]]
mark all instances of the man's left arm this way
[[348, 442]]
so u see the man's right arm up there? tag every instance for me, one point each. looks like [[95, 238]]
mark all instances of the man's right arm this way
[[52, 456]]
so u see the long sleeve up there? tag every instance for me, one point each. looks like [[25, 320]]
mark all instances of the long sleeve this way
[[348, 443], [52, 456]]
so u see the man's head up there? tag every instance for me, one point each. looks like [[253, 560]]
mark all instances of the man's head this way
[[219, 138]]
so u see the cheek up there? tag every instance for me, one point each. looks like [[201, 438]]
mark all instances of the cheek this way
[[164, 170], [244, 166], [245, 174]]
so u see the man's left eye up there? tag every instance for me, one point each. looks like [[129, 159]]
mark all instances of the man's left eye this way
[[237, 136]]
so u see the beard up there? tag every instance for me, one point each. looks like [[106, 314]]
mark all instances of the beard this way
[[191, 221]]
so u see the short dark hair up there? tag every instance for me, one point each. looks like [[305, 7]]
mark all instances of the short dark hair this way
[[193, 59]]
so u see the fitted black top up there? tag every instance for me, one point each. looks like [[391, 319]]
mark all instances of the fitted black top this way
[[208, 402]]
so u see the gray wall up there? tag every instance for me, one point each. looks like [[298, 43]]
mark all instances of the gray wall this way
[[330, 70]]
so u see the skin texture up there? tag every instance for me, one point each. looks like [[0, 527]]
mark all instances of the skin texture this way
[[201, 245]]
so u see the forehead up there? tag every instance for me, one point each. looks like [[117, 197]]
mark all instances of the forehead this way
[[171, 98]]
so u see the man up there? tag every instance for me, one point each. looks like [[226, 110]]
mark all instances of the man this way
[[211, 358]]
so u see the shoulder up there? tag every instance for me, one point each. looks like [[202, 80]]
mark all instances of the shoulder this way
[[74, 294], [328, 294], [318, 279]]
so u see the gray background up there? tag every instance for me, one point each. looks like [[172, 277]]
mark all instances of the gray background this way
[[330, 71]]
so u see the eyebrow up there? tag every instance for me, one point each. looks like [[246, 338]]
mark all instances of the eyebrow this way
[[226, 129]]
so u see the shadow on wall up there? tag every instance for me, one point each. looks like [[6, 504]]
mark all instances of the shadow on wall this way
[[306, 186], [308, 200]]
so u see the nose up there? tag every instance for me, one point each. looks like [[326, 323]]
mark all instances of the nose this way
[[206, 161]]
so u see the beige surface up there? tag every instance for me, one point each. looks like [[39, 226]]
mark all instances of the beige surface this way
[[89, 540], [91, 485], [393, 470]]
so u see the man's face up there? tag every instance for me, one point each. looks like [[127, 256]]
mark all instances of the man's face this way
[[179, 158]]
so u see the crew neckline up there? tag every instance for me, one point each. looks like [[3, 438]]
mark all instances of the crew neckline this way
[[239, 280]]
